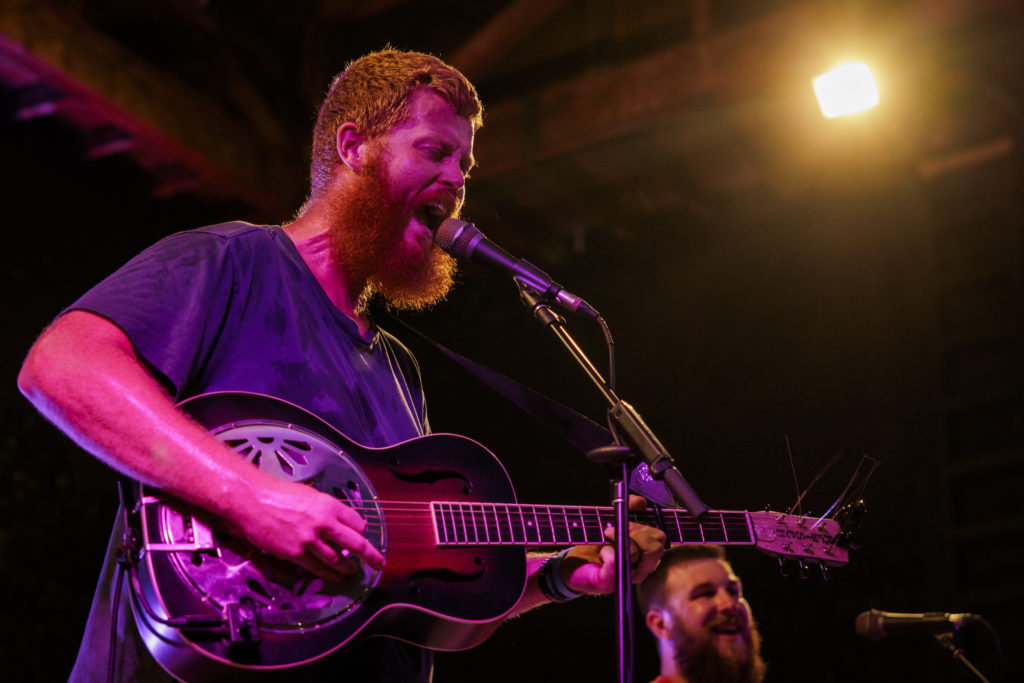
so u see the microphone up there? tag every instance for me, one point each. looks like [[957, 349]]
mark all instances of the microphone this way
[[875, 625], [465, 242]]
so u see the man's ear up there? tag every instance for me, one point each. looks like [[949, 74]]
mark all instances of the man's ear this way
[[657, 623], [349, 145]]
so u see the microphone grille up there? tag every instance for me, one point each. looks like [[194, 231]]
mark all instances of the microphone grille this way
[[869, 625], [454, 236]]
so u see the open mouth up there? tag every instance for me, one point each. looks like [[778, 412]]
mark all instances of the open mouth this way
[[431, 214], [728, 629]]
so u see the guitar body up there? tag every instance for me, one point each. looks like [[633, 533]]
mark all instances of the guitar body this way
[[239, 613]]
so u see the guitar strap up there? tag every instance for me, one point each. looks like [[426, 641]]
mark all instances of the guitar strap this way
[[578, 430], [573, 427]]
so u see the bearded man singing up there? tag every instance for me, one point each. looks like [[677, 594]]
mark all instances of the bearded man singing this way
[[282, 311], [694, 606]]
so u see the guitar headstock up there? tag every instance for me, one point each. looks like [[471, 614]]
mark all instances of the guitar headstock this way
[[806, 539]]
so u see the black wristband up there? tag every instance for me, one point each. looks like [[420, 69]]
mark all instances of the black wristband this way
[[550, 581]]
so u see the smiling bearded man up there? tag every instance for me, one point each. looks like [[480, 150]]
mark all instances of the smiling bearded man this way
[[694, 606]]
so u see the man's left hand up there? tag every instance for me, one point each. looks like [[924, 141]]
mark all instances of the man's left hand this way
[[591, 568]]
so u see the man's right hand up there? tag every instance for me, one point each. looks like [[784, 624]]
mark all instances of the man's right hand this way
[[314, 530]]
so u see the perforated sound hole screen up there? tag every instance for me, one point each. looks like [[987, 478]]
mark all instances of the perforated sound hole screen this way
[[290, 597]]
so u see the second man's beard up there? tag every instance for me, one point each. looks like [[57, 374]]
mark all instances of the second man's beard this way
[[698, 659], [368, 225]]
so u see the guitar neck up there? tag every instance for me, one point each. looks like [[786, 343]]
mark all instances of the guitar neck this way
[[462, 524]]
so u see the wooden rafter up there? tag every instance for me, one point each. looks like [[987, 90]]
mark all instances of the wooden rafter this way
[[162, 123]]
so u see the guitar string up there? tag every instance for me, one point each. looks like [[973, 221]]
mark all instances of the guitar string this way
[[483, 522], [468, 515], [532, 508], [512, 512]]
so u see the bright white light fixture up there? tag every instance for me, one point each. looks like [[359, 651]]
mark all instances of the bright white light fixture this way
[[846, 89]]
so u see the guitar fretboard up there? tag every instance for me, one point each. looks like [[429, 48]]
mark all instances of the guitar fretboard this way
[[463, 524]]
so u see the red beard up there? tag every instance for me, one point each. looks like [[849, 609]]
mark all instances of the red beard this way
[[368, 224], [698, 659]]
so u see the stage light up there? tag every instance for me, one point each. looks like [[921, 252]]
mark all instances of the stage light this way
[[847, 89]]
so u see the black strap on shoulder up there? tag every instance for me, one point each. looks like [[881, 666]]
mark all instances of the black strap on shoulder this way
[[578, 430]]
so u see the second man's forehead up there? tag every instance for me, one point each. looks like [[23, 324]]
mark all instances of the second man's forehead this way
[[705, 570]]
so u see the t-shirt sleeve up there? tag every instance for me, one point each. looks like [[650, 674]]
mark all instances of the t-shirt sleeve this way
[[170, 301]]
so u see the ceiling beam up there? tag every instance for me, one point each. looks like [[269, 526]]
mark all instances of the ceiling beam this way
[[164, 123], [507, 29], [623, 99]]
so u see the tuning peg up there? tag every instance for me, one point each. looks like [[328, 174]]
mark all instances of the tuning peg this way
[[825, 574], [802, 566], [783, 568], [849, 540], [852, 515]]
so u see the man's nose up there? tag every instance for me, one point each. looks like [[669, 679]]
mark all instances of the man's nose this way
[[452, 174], [725, 601]]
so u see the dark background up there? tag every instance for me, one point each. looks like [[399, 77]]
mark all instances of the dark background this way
[[853, 287]]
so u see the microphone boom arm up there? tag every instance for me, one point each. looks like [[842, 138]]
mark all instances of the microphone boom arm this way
[[628, 426]]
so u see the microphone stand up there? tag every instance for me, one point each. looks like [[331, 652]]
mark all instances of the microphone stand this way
[[948, 641], [632, 437]]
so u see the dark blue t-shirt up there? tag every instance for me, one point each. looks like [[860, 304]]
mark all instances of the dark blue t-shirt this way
[[234, 307]]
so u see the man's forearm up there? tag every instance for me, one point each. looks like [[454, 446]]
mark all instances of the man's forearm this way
[[84, 376]]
